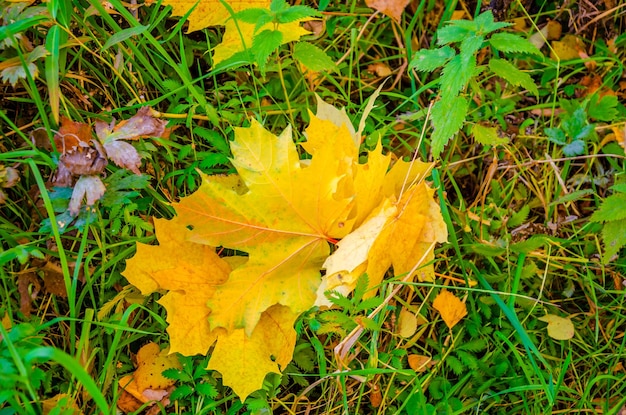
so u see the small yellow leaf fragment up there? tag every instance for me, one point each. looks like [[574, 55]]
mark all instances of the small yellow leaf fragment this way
[[419, 363], [407, 323], [451, 309], [559, 328]]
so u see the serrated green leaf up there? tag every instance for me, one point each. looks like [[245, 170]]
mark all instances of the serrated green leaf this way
[[511, 74], [487, 135], [296, 13], [456, 75], [603, 109], [426, 60], [278, 6], [575, 148], [556, 136], [471, 45], [508, 42], [264, 44], [207, 389], [474, 345], [486, 24], [614, 239], [448, 116], [519, 217], [217, 140], [181, 392], [313, 57], [451, 34], [574, 123], [455, 365], [613, 208], [620, 187], [253, 15]]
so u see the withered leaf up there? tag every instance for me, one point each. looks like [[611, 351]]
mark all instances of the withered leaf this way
[[90, 187], [28, 286], [124, 155], [72, 134]]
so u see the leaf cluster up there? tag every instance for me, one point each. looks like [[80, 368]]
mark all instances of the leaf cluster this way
[[459, 42], [265, 42], [575, 130]]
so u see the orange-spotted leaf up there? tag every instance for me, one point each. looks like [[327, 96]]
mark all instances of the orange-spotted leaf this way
[[451, 308], [151, 362]]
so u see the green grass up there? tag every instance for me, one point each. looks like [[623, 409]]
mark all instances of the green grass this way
[[521, 244]]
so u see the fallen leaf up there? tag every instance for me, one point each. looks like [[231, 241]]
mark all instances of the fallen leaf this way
[[141, 125], [244, 360], [72, 134], [89, 187], [451, 309], [28, 286], [191, 275], [147, 383], [236, 34], [376, 396], [60, 403], [379, 69], [407, 323], [559, 328], [565, 49], [391, 8], [284, 213], [284, 223], [210, 12], [419, 363], [151, 362]]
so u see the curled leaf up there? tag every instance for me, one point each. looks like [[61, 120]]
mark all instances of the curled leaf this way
[[124, 155], [90, 187]]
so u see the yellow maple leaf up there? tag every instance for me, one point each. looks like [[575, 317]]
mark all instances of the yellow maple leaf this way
[[451, 309], [210, 12], [283, 213], [283, 222], [245, 361], [238, 36], [190, 272]]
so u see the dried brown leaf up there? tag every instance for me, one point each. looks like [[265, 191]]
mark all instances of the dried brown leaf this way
[[391, 8]]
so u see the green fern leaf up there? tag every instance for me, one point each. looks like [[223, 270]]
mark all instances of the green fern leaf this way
[[468, 359], [454, 364], [474, 345]]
